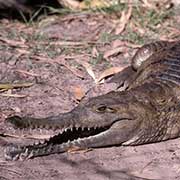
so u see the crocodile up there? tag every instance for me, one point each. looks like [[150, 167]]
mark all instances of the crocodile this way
[[146, 111]]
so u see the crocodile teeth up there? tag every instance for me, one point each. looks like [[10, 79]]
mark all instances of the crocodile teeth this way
[[24, 155], [36, 142], [42, 141], [79, 139]]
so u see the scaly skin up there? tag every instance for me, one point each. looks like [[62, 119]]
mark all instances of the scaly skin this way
[[148, 111], [128, 75], [148, 50]]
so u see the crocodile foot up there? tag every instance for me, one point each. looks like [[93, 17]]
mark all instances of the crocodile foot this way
[[123, 78]]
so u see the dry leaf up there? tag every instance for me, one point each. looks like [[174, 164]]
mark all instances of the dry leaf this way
[[95, 52], [174, 34], [62, 61], [27, 73], [116, 43], [71, 4], [123, 21], [137, 28], [119, 46], [15, 85], [14, 43], [74, 44], [109, 72], [113, 52], [66, 64], [148, 4], [13, 95], [76, 5], [79, 93], [88, 68], [95, 4], [16, 109]]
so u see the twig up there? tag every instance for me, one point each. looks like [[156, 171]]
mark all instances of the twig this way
[[124, 20], [27, 73], [13, 43], [13, 95], [15, 85]]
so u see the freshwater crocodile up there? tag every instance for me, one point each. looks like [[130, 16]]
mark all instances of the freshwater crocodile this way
[[147, 111]]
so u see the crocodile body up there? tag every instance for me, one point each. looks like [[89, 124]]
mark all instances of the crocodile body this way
[[147, 111]]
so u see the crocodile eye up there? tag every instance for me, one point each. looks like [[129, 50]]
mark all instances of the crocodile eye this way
[[104, 108], [101, 108]]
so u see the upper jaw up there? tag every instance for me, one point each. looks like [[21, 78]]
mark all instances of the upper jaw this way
[[29, 127]]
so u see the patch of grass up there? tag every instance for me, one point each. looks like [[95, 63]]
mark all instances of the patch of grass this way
[[53, 51], [48, 50], [128, 35], [32, 17], [12, 34], [98, 60], [147, 19], [115, 8], [105, 37], [150, 18], [133, 36], [60, 11], [41, 44]]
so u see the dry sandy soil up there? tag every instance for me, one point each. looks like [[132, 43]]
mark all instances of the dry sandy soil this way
[[59, 82]]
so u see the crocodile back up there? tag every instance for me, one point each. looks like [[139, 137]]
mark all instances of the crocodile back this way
[[146, 51], [156, 86], [163, 66]]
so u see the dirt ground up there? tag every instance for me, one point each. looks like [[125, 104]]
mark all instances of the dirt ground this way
[[60, 55]]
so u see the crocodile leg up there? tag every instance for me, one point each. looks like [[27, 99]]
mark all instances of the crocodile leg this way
[[124, 78]]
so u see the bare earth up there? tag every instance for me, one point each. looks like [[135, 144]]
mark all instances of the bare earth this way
[[54, 91]]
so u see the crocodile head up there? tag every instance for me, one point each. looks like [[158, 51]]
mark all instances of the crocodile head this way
[[110, 119]]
